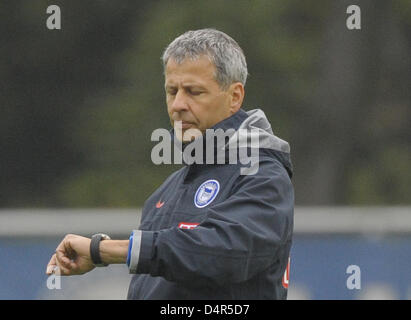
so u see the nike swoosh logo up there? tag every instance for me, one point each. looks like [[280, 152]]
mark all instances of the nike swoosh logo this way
[[159, 204]]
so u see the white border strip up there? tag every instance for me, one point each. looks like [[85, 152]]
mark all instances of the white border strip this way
[[367, 220], [307, 220]]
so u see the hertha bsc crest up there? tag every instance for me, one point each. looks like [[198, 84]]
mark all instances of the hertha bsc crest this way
[[206, 193]]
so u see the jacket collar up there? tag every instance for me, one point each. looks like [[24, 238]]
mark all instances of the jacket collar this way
[[232, 122]]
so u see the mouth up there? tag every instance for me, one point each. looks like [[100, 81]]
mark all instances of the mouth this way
[[184, 124]]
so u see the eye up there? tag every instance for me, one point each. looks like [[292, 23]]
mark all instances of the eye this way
[[194, 92], [171, 92]]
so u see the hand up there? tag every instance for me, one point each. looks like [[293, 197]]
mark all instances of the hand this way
[[72, 256]]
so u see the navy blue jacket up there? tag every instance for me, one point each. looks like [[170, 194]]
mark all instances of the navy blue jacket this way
[[211, 232]]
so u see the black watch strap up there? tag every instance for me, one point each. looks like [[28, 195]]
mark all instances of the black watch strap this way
[[95, 249]]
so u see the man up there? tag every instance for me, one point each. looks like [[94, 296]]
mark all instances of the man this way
[[210, 231]]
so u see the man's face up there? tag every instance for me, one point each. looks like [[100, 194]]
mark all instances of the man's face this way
[[194, 97]]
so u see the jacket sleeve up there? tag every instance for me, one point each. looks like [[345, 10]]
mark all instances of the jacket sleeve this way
[[240, 237]]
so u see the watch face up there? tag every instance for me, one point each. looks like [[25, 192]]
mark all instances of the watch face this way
[[105, 237]]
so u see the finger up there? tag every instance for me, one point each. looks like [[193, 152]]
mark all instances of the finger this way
[[62, 270], [61, 267], [74, 269], [51, 265], [64, 252], [62, 259], [67, 246]]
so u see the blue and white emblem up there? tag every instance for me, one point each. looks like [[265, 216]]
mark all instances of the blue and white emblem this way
[[206, 193]]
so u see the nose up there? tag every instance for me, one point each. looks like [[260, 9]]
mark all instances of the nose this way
[[179, 103]]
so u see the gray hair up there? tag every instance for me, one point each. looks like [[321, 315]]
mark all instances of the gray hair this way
[[220, 48]]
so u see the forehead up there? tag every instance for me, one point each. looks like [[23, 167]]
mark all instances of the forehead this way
[[200, 70]]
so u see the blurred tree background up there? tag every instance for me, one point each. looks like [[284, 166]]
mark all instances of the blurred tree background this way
[[78, 105]]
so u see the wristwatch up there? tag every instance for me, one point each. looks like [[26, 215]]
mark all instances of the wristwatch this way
[[95, 249]]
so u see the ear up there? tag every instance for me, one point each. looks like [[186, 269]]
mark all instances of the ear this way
[[237, 93]]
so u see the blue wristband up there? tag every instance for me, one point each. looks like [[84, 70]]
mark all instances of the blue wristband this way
[[130, 246]]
